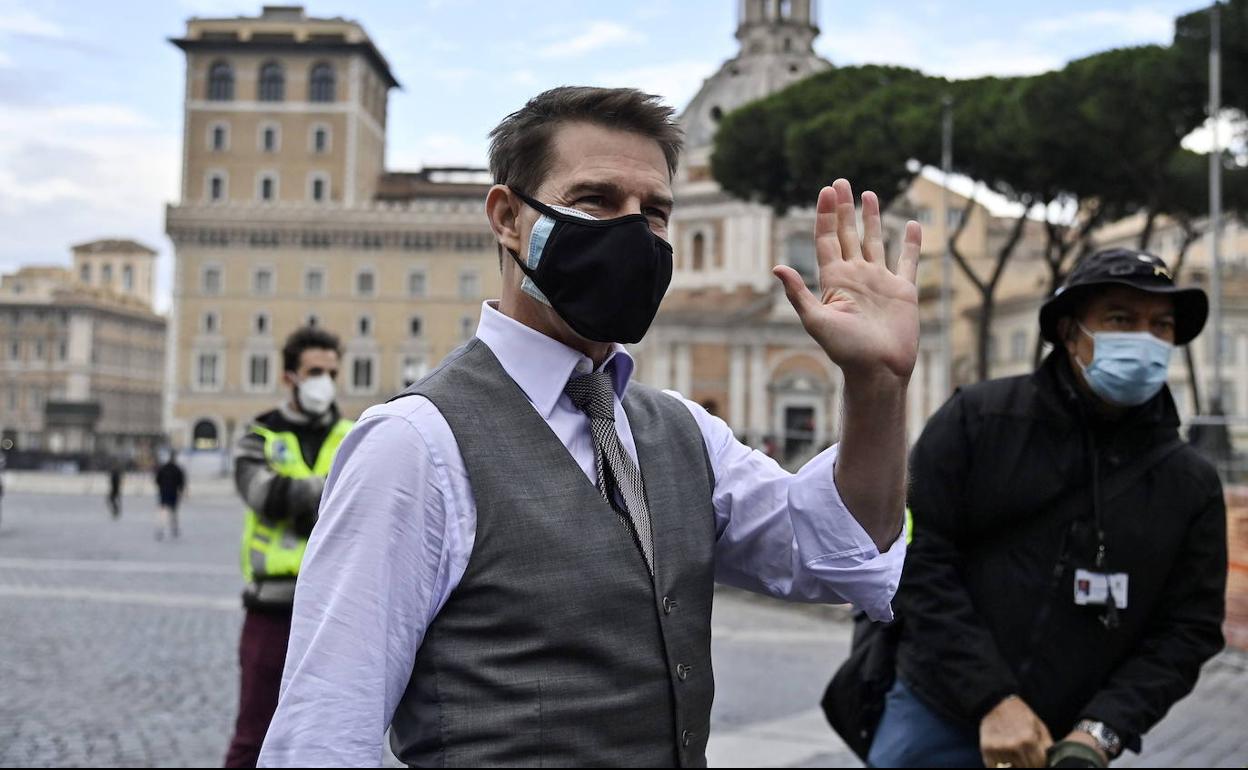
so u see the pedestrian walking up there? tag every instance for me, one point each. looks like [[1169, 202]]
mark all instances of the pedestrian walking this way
[[1067, 574], [115, 475], [171, 488], [280, 465], [516, 557]]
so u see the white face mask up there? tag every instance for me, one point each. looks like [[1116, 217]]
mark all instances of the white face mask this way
[[316, 395]]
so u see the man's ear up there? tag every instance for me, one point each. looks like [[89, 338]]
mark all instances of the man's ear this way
[[288, 379], [502, 208], [1068, 333]]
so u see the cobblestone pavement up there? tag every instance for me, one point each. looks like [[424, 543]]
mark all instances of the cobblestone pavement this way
[[117, 650]]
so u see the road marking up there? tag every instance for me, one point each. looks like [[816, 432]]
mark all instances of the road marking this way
[[181, 601], [108, 565]]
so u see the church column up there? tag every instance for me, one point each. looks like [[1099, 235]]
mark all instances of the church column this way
[[684, 369], [760, 420], [660, 372], [736, 388]]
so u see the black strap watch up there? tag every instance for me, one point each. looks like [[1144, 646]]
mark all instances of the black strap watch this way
[[1103, 734]]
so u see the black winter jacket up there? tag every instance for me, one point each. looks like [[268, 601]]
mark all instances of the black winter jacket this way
[[1001, 480]]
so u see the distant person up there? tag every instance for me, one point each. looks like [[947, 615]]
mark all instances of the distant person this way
[[1067, 575], [171, 485], [280, 465], [114, 489]]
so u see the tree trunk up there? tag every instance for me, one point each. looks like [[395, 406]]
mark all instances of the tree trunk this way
[[986, 308], [1146, 235]]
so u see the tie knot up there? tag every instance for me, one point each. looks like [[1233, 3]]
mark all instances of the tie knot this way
[[593, 394]]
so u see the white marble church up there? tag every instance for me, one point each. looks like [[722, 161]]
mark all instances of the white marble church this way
[[727, 336]]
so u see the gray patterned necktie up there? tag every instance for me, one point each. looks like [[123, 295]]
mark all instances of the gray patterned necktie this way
[[594, 394]]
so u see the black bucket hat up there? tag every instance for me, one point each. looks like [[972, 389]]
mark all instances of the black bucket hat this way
[[1126, 267]]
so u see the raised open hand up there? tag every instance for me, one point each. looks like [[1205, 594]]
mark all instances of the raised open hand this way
[[867, 317]]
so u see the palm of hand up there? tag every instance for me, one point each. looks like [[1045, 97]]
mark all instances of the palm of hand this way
[[867, 316]]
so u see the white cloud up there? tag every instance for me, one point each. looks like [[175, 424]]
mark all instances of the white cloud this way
[[677, 82], [15, 20], [887, 37], [80, 171], [439, 149], [1137, 23], [597, 35]]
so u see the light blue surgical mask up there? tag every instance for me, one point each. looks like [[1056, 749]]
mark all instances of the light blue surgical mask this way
[[1128, 368], [537, 242]]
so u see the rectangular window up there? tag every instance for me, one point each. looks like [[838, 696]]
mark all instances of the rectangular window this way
[[365, 326], [314, 282], [86, 274], [38, 350], [262, 324], [210, 323], [362, 374], [127, 278], [469, 286], [206, 371], [216, 187], [63, 353], [258, 371], [414, 369], [953, 218], [267, 188], [263, 283], [365, 283], [416, 284], [467, 325], [269, 139], [212, 281], [320, 141], [218, 138], [318, 189]]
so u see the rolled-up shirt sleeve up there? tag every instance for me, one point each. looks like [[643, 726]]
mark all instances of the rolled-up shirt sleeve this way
[[377, 570], [790, 535]]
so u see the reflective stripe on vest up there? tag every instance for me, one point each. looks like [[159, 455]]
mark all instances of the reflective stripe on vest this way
[[273, 549]]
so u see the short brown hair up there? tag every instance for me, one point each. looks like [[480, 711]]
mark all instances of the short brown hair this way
[[520, 146], [307, 338]]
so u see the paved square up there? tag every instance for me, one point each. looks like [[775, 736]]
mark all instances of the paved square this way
[[116, 649]]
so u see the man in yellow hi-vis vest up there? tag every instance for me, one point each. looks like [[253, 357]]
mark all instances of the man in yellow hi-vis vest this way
[[280, 466]]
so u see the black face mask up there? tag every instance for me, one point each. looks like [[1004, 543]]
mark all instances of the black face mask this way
[[604, 277]]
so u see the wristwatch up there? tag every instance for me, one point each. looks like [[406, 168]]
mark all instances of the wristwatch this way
[[1103, 734]]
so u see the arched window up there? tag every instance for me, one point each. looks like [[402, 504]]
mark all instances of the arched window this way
[[786, 9], [205, 436], [221, 82], [321, 83], [800, 255], [699, 252], [272, 83]]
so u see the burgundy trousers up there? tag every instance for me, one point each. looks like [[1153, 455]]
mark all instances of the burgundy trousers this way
[[262, 655]]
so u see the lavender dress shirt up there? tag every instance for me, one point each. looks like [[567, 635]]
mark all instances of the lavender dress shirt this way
[[397, 524]]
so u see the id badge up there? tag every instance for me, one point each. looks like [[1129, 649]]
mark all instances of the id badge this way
[[1093, 588]]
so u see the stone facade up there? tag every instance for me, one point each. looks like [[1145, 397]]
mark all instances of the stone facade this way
[[288, 216]]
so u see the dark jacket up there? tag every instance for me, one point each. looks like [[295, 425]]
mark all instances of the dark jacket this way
[[170, 480], [1002, 479]]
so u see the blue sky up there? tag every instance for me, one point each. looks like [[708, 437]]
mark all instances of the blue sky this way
[[90, 92]]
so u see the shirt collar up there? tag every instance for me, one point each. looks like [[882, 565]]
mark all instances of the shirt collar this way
[[541, 365]]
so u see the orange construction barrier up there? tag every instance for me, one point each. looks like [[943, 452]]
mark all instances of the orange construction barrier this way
[[1237, 578]]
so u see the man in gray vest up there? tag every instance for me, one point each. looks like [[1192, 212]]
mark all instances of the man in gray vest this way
[[515, 558]]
